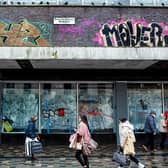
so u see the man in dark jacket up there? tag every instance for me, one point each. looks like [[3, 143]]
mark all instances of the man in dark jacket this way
[[31, 134], [150, 131]]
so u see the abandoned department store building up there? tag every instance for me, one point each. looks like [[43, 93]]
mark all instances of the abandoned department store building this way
[[106, 59]]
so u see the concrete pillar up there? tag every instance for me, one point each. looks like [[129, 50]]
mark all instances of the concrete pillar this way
[[121, 106], [1, 113]]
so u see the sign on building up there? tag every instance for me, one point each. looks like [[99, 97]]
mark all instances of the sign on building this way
[[64, 20]]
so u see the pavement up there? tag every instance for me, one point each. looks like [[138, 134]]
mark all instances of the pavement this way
[[60, 156]]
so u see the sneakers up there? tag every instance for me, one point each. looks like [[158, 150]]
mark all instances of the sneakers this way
[[145, 148], [140, 165]]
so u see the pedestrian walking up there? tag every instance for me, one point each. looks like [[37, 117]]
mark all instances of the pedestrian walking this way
[[150, 132], [127, 140], [83, 137], [31, 136], [163, 130]]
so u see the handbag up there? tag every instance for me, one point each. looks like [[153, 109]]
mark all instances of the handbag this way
[[73, 142], [36, 147], [78, 146], [120, 158]]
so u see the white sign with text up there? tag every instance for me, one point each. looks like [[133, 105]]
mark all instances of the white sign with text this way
[[64, 20]]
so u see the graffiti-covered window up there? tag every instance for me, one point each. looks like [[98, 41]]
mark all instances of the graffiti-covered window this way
[[96, 102], [58, 107], [142, 99], [19, 103]]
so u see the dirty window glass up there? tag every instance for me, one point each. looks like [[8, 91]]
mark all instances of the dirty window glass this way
[[96, 102], [142, 99], [19, 103], [58, 107]]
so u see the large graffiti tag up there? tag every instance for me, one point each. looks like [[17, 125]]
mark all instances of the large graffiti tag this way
[[22, 33], [133, 33]]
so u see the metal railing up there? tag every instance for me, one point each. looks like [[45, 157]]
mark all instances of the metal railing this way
[[87, 2]]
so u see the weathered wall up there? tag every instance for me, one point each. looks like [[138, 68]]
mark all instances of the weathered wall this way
[[94, 27]]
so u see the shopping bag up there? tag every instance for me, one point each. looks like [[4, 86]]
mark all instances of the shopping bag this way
[[92, 144], [36, 147], [78, 146], [120, 158], [86, 149], [73, 142], [89, 147]]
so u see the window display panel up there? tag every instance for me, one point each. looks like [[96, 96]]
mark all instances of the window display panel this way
[[142, 99], [96, 102], [19, 103], [58, 108], [165, 98]]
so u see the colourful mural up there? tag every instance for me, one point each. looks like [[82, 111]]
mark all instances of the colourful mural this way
[[132, 33], [24, 33]]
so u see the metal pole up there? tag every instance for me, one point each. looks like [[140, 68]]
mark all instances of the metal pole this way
[[39, 111], [163, 101], [77, 104]]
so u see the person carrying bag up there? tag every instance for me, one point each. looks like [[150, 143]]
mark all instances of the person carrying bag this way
[[82, 142], [83, 137], [32, 143], [127, 140]]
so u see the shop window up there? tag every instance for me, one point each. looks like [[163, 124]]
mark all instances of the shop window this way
[[142, 99], [165, 97], [18, 106], [58, 108], [96, 102]]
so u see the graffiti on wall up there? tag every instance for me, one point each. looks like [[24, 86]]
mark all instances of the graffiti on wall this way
[[24, 33], [132, 33], [83, 27]]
